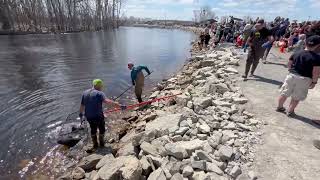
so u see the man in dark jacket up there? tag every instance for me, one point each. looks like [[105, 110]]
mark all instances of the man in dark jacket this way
[[137, 79], [260, 39]]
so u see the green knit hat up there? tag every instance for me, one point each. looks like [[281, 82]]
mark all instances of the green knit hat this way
[[97, 82]]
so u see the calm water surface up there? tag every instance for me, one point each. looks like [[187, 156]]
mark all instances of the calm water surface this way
[[42, 78]]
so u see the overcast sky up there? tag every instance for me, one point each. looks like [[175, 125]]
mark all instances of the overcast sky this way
[[183, 9]]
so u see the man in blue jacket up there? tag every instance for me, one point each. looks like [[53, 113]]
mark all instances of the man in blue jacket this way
[[137, 78]]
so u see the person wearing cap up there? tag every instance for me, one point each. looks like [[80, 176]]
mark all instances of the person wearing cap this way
[[304, 71], [91, 108], [137, 79], [260, 39]]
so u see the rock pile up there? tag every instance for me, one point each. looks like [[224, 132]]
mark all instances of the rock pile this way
[[205, 133]]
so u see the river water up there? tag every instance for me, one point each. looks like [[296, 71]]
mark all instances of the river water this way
[[42, 78]]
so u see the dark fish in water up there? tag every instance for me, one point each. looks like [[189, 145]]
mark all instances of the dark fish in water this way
[[69, 141], [71, 134]]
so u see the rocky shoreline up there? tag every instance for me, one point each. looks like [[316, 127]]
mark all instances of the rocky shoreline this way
[[204, 133]]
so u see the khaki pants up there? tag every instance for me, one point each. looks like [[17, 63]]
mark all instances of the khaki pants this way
[[296, 86], [139, 86]]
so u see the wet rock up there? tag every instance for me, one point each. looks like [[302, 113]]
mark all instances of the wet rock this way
[[177, 176], [235, 171], [176, 151], [105, 160], [212, 167], [78, 173], [149, 149], [157, 175], [89, 163], [225, 153]]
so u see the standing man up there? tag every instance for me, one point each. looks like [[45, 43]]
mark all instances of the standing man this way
[[91, 108], [260, 39], [137, 79], [304, 68]]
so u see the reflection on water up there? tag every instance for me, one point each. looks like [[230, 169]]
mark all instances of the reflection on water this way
[[43, 76]]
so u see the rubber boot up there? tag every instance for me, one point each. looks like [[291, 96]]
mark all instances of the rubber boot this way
[[94, 141], [101, 140]]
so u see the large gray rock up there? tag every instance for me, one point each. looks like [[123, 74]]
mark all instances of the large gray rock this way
[[204, 128], [176, 151], [221, 88], [128, 149], [235, 171], [78, 173], [190, 146], [132, 169], [215, 139], [200, 175], [187, 171], [157, 175], [202, 155], [207, 63], [177, 176], [182, 100], [202, 102], [137, 139], [105, 160], [181, 131], [124, 167], [212, 167], [149, 117], [231, 70], [89, 163], [239, 100], [225, 153], [149, 149], [164, 123], [146, 166]]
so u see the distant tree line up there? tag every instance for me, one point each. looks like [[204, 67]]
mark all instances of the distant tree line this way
[[59, 15]]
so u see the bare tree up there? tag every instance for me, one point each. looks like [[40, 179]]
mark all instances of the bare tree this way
[[59, 15]]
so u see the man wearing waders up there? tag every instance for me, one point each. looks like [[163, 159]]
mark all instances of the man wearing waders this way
[[137, 78], [91, 108], [260, 39]]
